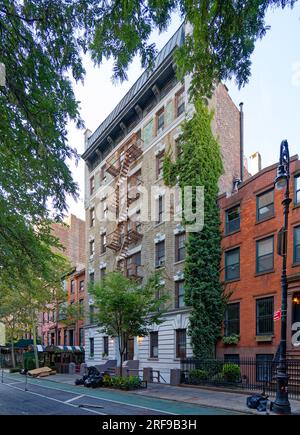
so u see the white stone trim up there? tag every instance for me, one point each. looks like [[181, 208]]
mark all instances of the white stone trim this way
[[160, 149], [134, 250], [179, 276], [159, 238], [179, 229], [102, 265]]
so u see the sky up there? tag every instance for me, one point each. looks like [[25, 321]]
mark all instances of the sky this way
[[271, 98]]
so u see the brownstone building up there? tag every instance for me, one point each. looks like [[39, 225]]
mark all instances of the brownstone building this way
[[251, 268]]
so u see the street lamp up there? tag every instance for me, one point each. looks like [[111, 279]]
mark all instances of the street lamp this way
[[281, 404]]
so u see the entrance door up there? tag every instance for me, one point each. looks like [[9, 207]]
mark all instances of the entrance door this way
[[129, 354]]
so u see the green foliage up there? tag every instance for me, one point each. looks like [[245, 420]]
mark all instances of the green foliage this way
[[125, 382], [231, 339], [29, 363], [15, 370], [125, 308], [231, 372], [200, 164], [198, 375], [107, 380]]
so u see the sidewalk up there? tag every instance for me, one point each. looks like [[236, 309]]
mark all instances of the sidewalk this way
[[201, 396]]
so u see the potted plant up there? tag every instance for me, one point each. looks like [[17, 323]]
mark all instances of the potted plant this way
[[231, 339]]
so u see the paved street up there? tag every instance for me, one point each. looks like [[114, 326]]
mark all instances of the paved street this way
[[44, 397]]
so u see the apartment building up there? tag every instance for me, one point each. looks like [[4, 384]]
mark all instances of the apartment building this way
[[124, 156], [251, 267], [52, 328]]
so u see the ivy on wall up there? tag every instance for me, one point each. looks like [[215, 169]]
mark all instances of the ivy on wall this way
[[200, 164]]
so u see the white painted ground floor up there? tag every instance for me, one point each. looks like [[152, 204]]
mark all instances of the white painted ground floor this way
[[161, 349]]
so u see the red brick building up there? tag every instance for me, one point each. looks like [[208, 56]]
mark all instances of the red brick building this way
[[251, 268], [52, 330]]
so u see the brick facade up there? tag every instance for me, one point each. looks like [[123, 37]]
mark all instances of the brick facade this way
[[254, 284]]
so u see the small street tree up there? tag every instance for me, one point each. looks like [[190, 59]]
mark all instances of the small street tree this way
[[126, 309]]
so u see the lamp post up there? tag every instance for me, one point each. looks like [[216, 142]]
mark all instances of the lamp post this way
[[281, 404]]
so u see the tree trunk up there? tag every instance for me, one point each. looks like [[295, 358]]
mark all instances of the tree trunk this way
[[13, 359]]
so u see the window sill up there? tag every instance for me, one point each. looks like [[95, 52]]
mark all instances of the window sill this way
[[264, 273], [179, 262], [158, 224], [152, 359], [232, 280], [232, 232], [264, 220], [295, 205], [295, 264], [264, 338]]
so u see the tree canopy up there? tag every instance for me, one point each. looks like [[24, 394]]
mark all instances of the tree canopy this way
[[127, 309], [41, 46]]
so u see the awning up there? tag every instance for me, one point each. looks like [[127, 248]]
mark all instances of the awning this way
[[40, 347]]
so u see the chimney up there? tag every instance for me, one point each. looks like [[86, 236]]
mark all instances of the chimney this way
[[255, 163], [241, 142], [87, 134]]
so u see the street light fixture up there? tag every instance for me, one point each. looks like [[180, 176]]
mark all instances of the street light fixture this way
[[281, 404]]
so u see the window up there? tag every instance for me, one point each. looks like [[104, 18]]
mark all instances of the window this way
[[92, 277], [232, 264], [105, 210], [265, 205], [160, 254], [72, 286], [232, 319], [160, 211], [153, 344], [92, 217], [297, 189], [71, 337], [103, 243], [233, 358], [180, 343], [92, 314], [180, 247], [180, 103], [179, 294], [264, 365], [102, 272], [81, 337], [81, 307], [81, 286], [91, 347], [105, 345], [264, 316], [92, 247], [297, 245], [265, 255], [160, 121], [133, 264], [232, 219], [102, 175], [159, 164], [92, 185]]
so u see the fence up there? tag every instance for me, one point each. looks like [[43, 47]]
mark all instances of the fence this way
[[246, 374]]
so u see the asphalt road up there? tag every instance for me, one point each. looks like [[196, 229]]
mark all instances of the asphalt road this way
[[44, 397]]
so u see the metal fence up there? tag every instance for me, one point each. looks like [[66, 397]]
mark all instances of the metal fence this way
[[257, 375]]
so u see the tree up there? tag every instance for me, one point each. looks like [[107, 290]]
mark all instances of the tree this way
[[126, 309], [42, 41], [21, 304], [200, 164]]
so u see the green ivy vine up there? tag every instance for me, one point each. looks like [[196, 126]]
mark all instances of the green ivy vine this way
[[200, 164]]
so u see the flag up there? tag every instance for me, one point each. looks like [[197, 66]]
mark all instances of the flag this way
[[277, 315]]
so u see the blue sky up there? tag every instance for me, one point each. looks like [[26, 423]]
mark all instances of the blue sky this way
[[271, 98]]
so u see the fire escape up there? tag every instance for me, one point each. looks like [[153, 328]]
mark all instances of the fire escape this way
[[126, 232]]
